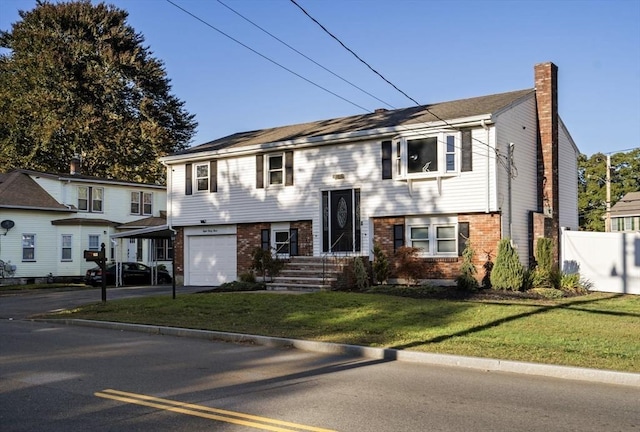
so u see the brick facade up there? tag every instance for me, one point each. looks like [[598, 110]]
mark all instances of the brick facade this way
[[250, 237], [546, 81], [484, 234], [305, 237]]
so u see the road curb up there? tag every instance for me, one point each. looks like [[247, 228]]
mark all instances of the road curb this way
[[478, 363]]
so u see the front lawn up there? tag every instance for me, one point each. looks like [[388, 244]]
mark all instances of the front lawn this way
[[598, 330]]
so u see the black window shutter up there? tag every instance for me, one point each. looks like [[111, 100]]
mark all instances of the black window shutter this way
[[386, 160], [188, 184], [463, 236], [288, 168], [398, 237], [213, 176], [265, 243], [259, 171], [467, 154], [293, 242]]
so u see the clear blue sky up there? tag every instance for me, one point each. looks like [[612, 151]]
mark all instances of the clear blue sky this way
[[432, 50]]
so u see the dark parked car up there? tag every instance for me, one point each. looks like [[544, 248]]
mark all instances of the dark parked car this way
[[133, 273]]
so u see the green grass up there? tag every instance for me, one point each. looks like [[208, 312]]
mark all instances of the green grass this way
[[595, 331]]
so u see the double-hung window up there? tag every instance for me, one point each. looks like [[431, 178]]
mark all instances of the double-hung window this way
[[28, 247], [202, 177], [142, 203], [90, 199], [164, 250], [94, 242], [274, 169], [433, 236], [65, 247]]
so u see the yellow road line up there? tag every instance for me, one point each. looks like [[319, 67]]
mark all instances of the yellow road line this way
[[205, 412]]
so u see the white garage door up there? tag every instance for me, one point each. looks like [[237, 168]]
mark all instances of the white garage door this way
[[212, 260]]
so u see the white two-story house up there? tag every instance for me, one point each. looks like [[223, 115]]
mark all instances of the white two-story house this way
[[54, 218], [432, 177]]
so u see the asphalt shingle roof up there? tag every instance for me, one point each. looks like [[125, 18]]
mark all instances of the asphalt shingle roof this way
[[17, 189], [629, 205], [380, 119]]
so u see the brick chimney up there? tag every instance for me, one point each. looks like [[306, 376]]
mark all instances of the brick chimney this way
[[546, 82], [74, 167]]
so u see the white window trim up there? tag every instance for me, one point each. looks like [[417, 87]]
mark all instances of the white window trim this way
[[90, 199], [63, 247], [33, 236], [135, 194], [268, 171], [89, 242], [400, 152], [432, 223], [196, 178]]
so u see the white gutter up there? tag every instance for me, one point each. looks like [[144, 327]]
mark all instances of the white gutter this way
[[486, 128], [169, 199], [324, 140], [65, 210]]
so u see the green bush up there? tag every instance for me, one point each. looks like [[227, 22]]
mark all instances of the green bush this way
[[572, 283], [380, 265], [264, 263], [360, 274], [466, 280], [507, 273], [544, 275], [248, 277]]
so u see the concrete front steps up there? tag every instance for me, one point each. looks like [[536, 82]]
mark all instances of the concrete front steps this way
[[303, 273]]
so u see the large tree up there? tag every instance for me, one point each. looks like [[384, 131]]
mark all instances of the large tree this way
[[592, 186], [75, 78]]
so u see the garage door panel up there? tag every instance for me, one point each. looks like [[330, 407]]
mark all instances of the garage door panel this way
[[212, 260]]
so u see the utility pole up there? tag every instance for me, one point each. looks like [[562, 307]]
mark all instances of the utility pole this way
[[607, 219]]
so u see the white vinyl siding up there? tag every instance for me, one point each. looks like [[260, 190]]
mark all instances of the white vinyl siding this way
[[518, 126], [568, 178]]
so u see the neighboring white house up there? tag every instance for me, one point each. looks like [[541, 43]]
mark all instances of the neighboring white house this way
[[430, 176], [625, 214], [54, 218]]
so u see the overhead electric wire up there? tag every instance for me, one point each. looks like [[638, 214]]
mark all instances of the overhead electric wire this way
[[305, 56], [264, 56], [497, 154], [330, 71]]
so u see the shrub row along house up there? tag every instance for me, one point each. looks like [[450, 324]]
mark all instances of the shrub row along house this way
[[49, 220], [431, 177]]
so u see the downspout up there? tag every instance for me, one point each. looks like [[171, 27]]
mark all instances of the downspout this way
[[170, 227], [486, 128]]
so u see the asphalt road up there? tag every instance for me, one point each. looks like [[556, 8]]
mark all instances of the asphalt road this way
[[66, 378]]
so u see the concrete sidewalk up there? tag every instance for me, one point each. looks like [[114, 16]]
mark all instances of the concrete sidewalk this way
[[478, 363]]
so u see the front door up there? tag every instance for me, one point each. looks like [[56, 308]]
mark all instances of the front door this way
[[341, 222]]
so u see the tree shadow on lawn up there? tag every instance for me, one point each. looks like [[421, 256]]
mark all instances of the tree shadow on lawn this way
[[497, 322]]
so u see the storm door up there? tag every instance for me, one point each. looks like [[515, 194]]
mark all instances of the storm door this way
[[341, 220]]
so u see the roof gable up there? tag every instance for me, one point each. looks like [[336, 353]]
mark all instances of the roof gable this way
[[19, 190], [629, 205], [372, 121]]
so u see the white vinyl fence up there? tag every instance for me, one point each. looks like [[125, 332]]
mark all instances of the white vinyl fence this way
[[610, 261]]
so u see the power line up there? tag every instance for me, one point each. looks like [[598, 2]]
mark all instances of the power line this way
[[352, 52], [264, 56], [304, 55], [498, 155]]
